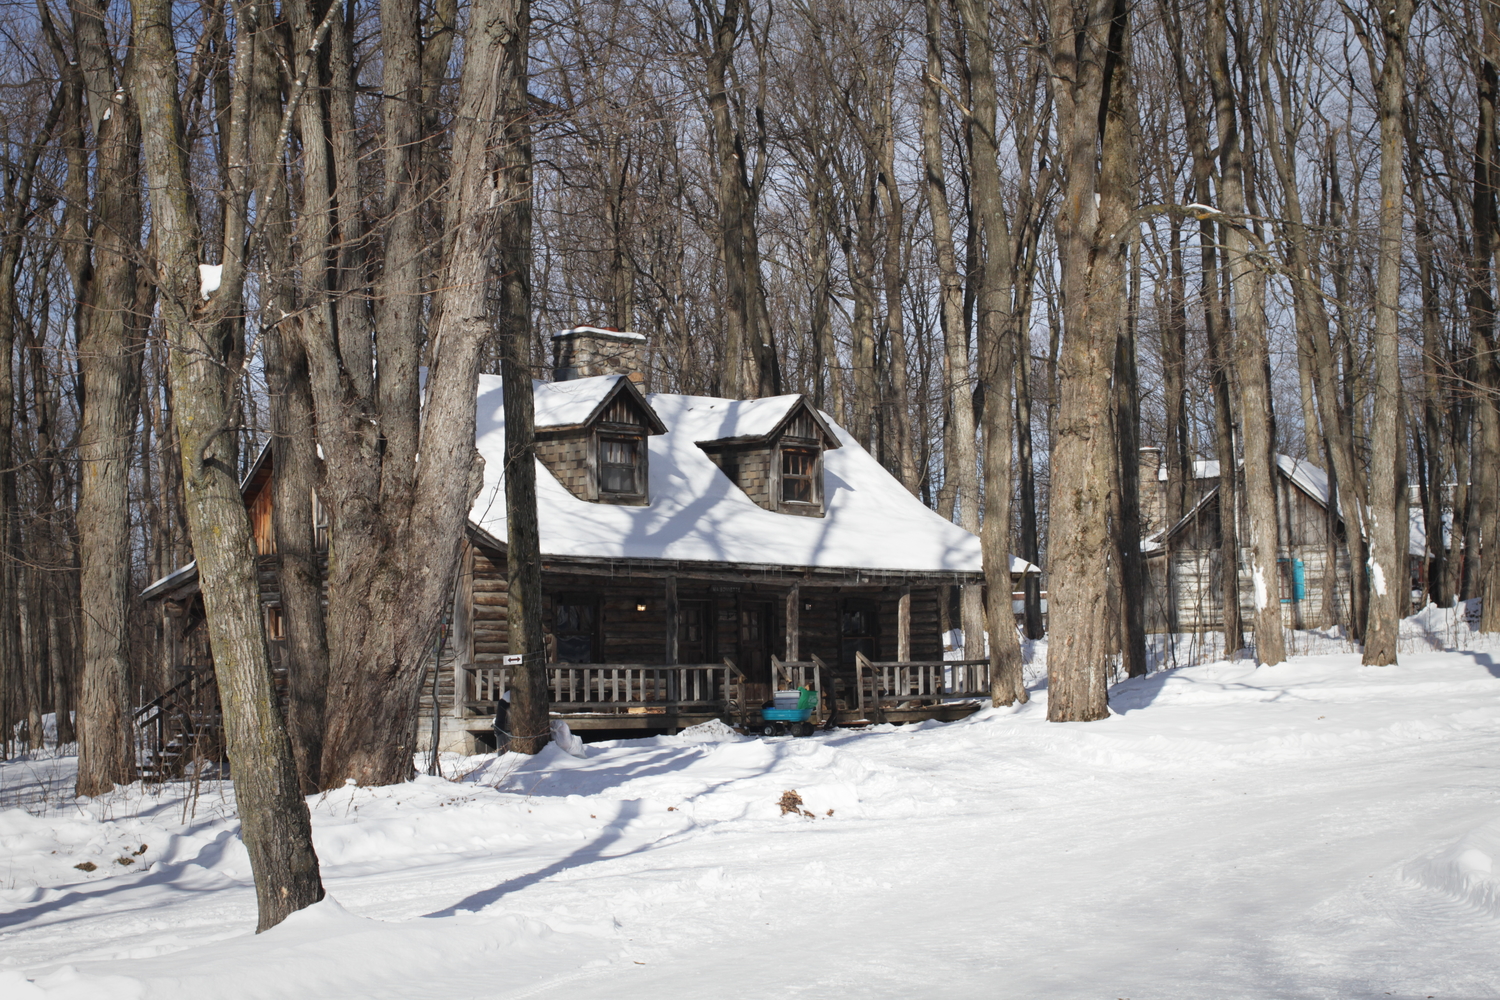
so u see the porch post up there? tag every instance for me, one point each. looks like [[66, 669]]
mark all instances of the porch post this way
[[463, 631], [794, 623], [903, 626], [671, 636]]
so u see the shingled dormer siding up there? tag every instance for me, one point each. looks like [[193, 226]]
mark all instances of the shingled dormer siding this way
[[567, 456], [748, 466]]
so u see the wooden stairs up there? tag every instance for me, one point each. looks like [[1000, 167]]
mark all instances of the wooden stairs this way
[[182, 725]]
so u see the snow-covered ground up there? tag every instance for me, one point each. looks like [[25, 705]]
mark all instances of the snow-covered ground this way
[[1317, 829]]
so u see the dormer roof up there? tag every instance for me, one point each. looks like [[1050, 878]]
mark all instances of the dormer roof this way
[[745, 421], [579, 402]]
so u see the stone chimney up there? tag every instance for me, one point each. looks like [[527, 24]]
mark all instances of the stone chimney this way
[[1153, 492], [585, 351]]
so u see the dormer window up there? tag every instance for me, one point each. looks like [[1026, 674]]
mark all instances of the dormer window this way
[[622, 473], [800, 475], [776, 458], [591, 433]]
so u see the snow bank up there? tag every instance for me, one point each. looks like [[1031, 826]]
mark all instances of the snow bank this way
[[1468, 870]]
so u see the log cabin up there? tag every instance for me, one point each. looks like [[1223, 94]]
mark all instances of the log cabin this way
[[1184, 560], [697, 554]]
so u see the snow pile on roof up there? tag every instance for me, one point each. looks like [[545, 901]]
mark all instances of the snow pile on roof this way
[[179, 575], [725, 419], [697, 515], [563, 404]]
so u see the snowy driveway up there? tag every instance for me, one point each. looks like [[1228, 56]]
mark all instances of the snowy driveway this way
[[1317, 829]]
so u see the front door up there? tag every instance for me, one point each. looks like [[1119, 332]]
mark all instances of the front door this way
[[756, 624], [695, 632]]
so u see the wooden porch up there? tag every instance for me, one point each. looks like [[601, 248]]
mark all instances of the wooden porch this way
[[633, 696]]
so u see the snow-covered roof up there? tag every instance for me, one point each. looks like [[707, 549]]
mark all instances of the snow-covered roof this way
[[746, 419], [181, 575], [1312, 480], [622, 334], [1203, 468], [697, 514], [571, 403]]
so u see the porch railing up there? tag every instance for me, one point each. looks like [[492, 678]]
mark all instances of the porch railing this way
[[883, 685], [611, 687]]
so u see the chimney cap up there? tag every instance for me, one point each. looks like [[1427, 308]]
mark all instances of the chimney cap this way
[[606, 332]]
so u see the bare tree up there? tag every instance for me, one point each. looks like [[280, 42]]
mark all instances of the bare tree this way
[[1387, 493], [997, 353], [960, 452], [1247, 281], [274, 820], [102, 243], [1097, 182]]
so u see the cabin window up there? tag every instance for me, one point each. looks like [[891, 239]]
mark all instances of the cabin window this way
[[575, 626], [262, 527], [621, 466], [799, 475]]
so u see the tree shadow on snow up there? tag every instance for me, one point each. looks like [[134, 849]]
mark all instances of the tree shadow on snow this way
[[161, 874], [542, 780], [589, 853], [1137, 692], [1486, 661]]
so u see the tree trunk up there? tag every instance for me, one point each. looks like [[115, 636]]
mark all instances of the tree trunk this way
[[904, 461], [1214, 323], [395, 545], [738, 377], [1250, 355], [1127, 420], [299, 576], [1352, 493], [960, 448], [109, 344], [1432, 460], [1387, 430], [997, 353], [294, 460], [1091, 250], [1485, 584], [1313, 327], [275, 825], [529, 704]]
